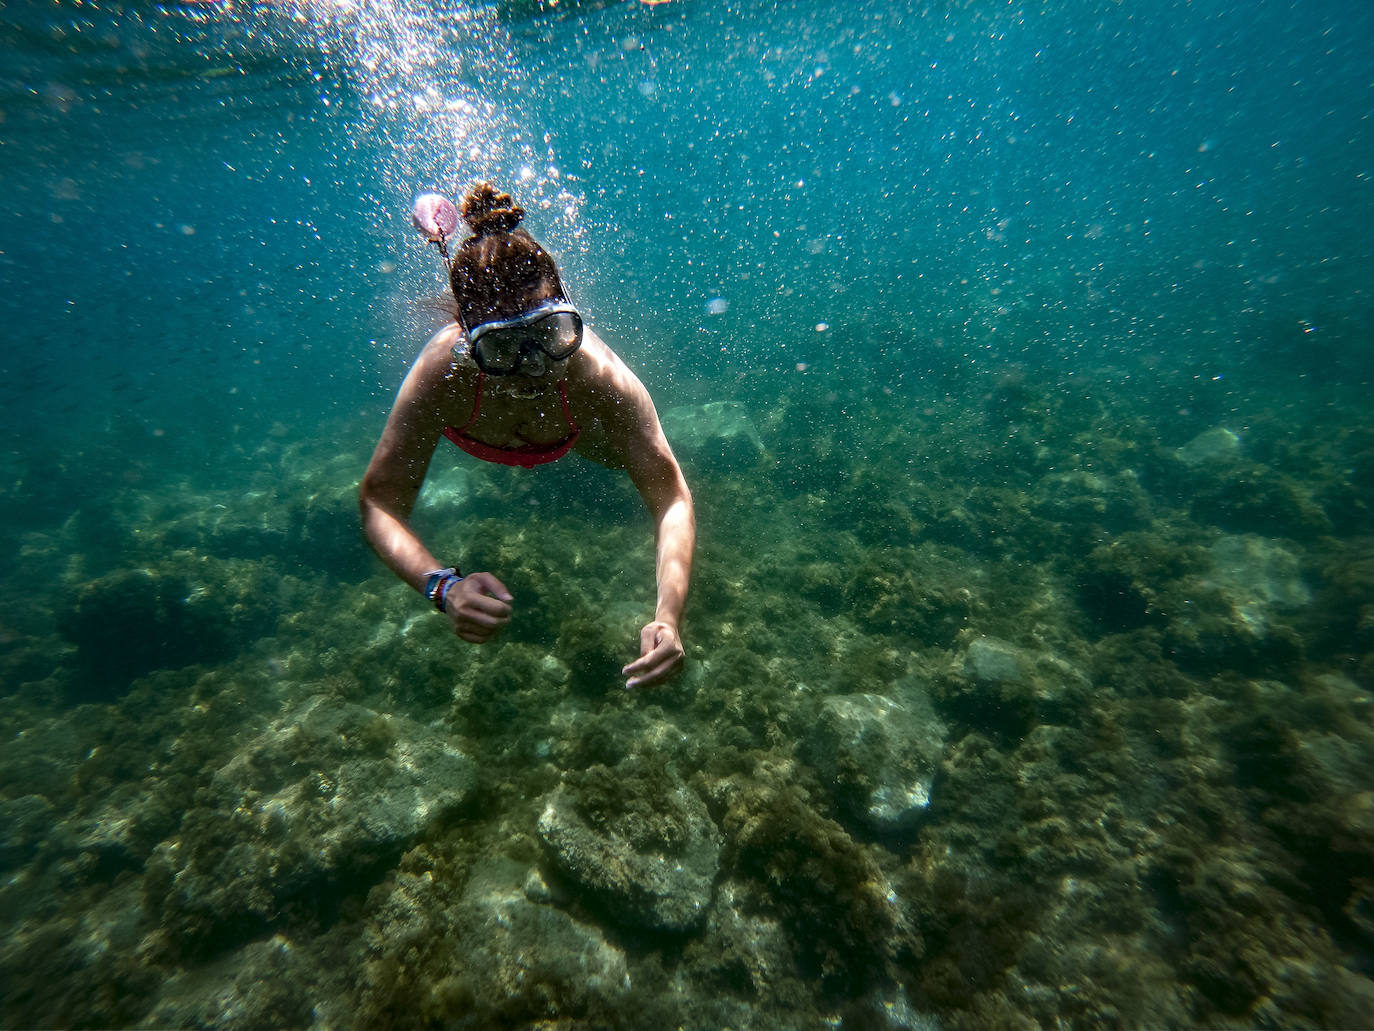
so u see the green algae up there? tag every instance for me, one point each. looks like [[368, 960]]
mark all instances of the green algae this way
[[1151, 810]]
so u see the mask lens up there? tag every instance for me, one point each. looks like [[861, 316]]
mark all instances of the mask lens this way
[[500, 350], [558, 335]]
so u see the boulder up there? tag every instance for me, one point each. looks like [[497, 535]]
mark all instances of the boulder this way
[[719, 434], [513, 939], [635, 843], [879, 755], [1258, 577], [1217, 446], [1010, 689], [328, 792]]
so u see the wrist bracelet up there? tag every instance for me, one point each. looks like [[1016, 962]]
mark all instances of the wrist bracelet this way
[[437, 584]]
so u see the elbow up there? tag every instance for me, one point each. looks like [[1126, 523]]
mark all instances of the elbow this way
[[367, 500], [372, 503]]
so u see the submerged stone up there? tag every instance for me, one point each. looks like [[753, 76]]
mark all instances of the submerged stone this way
[[512, 942], [1011, 689], [1117, 502], [994, 661], [24, 822], [190, 609], [1216, 446], [719, 433], [880, 755], [330, 790], [1253, 569], [256, 986], [642, 848], [479, 951]]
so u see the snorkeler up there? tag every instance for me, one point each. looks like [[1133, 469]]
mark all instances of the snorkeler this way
[[518, 380]]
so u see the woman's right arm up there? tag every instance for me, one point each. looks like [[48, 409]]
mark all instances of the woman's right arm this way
[[393, 478], [477, 606]]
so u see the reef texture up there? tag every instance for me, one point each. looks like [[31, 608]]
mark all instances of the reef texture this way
[[1006, 707]]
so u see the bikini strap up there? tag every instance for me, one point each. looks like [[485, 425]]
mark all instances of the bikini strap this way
[[563, 391], [477, 403]]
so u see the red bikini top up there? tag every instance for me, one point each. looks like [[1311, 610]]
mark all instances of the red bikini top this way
[[526, 456]]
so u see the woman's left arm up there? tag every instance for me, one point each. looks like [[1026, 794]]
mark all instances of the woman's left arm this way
[[661, 484], [637, 438]]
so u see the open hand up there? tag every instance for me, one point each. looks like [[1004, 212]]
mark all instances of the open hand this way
[[660, 656]]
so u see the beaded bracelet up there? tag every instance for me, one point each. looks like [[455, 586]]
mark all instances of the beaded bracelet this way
[[438, 583]]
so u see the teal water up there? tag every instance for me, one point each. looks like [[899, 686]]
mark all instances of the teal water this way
[[1039, 345]]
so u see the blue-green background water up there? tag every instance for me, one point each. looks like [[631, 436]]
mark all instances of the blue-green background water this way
[[1067, 187], [948, 256]]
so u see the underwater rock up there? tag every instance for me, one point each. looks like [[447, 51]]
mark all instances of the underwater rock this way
[[1217, 446], [1118, 503], [476, 948], [323, 533], [1250, 498], [329, 792], [1215, 607], [915, 592], [718, 435], [848, 927], [636, 842], [994, 661], [890, 1009], [743, 951], [1234, 615], [510, 941], [116, 833], [24, 822], [1003, 687], [193, 609], [1258, 575], [880, 755], [257, 986]]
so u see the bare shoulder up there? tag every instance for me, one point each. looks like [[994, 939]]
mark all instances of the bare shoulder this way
[[613, 406], [434, 377], [604, 383], [436, 358]]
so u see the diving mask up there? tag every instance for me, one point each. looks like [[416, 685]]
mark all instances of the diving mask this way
[[553, 329]]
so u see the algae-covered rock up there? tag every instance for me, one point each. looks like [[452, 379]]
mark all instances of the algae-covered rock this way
[[481, 948], [1258, 577], [1235, 607], [1001, 687], [510, 940], [1116, 503], [191, 609], [1213, 607], [995, 662], [1211, 448], [594, 653], [914, 592], [880, 755], [637, 842], [24, 822], [257, 986], [330, 790], [742, 950], [1248, 497], [718, 435], [847, 925]]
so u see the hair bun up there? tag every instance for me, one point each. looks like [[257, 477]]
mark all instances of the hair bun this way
[[489, 211]]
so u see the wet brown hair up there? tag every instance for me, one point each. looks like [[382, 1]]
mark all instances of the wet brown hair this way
[[500, 270]]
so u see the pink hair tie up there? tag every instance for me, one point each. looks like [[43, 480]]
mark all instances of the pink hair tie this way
[[435, 216]]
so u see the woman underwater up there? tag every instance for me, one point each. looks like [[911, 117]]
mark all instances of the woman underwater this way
[[518, 380]]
